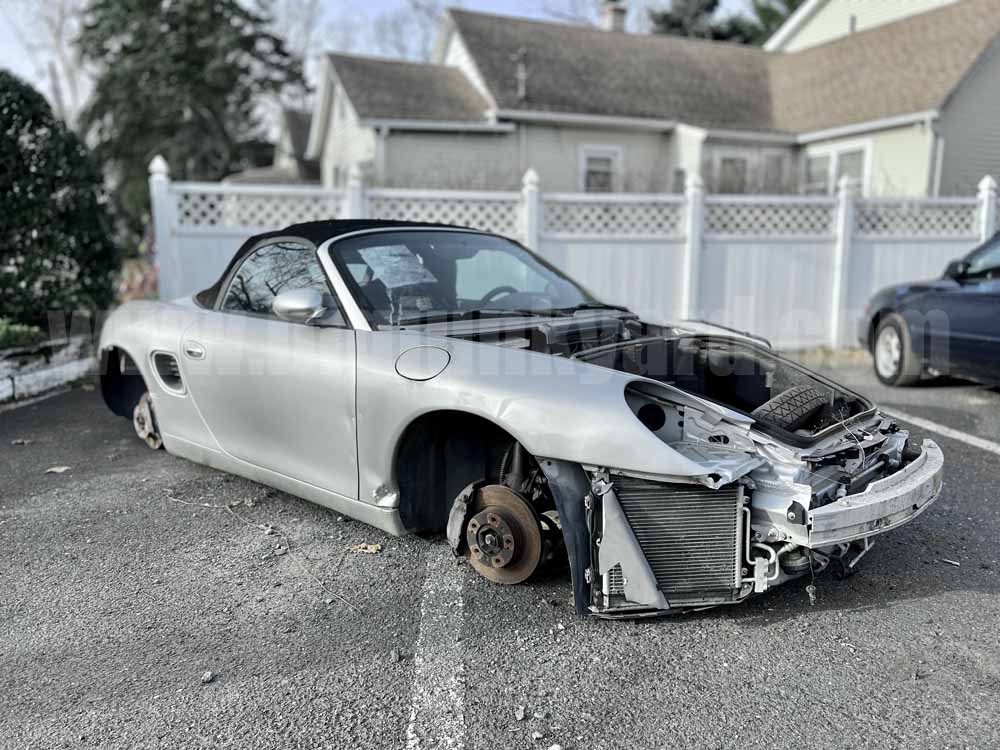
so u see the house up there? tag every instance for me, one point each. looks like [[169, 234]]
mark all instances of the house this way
[[290, 166], [905, 103], [819, 21]]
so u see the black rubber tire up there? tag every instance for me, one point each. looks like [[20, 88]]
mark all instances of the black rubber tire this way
[[790, 409], [910, 368]]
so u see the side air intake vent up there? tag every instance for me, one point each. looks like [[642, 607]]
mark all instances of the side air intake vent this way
[[168, 371], [691, 537]]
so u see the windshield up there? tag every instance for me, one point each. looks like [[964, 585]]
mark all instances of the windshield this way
[[427, 276]]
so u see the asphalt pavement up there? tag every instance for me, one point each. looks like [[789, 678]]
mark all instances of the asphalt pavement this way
[[149, 602]]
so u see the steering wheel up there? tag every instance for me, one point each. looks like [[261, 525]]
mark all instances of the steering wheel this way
[[495, 292]]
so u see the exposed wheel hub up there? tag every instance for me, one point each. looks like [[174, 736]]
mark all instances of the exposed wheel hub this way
[[145, 423], [491, 538], [503, 536]]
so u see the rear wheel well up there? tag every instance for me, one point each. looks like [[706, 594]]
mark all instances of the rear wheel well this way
[[122, 384], [438, 456]]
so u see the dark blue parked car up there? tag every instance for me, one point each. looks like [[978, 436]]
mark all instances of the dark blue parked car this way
[[949, 326]]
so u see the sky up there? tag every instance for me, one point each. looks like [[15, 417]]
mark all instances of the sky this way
[[356, 18]]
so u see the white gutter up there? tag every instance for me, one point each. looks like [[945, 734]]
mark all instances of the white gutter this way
[[440, 125], [869, 126], [752, 135], [584, 120]]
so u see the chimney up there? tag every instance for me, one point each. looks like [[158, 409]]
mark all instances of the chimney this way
[[613, 15]]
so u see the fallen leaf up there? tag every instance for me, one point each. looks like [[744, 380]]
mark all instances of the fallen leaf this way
[[57, 469], [366, 549], [952, 562]]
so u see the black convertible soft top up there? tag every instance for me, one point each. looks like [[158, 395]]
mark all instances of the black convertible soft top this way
[[316, 232]]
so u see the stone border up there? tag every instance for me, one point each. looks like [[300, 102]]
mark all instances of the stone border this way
[[30, 371]]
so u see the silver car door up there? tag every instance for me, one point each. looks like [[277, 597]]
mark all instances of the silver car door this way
[[277, 394]]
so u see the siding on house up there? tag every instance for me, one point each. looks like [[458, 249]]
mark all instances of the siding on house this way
[[347, 142], [970, 128], [833, 19], [498, 161], [902, 161], [555, 152], [453, 160]]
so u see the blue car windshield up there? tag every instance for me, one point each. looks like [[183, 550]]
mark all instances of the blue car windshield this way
[[427, 276]]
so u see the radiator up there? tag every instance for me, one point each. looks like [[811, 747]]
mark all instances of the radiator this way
[[692, 537]]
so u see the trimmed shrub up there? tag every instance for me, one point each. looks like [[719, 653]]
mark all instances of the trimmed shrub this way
[[57, 249], [18, 334]]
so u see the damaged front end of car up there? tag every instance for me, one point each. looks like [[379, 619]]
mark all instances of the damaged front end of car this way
[[664, 546], [786, 475], [790, 492]]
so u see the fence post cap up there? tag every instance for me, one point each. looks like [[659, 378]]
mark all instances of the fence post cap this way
[[988, 184], [694, 182], [158, 167], [845, 185], [530, 179], [354, 174]]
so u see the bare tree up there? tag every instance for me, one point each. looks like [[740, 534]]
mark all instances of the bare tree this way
[[47, 31], [408, 31]]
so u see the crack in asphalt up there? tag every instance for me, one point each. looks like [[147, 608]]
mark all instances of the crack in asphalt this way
[[437, 706]]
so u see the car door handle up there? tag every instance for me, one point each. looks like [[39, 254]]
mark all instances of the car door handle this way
[[194, 350]]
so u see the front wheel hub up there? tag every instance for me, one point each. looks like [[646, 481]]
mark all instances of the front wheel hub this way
[[503, 536], [491, 538]]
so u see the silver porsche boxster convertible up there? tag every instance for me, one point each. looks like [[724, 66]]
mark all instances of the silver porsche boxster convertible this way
[[426, 378]]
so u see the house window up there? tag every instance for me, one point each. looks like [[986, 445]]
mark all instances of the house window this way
[[733, 172], [600, 168], [824, 166], [817, 181], [851, 164], [774, 173]]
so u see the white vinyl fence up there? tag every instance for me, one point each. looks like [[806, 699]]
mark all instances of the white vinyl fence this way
[[797, 270]]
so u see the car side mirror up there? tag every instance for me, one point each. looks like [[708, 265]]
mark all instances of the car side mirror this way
[[299, 305], [957, 269]]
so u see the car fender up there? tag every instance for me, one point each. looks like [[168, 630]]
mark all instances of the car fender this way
[[555, 407]]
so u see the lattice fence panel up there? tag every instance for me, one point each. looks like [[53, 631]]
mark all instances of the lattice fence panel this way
[[223, 208], [916, 218], [500, 215], [780, 218], [618, 218]]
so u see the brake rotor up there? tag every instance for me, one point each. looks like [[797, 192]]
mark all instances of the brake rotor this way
[[503, 536], [145, 423]]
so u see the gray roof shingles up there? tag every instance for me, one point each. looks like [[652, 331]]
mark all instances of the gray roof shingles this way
[[399, 90], [581, 69]]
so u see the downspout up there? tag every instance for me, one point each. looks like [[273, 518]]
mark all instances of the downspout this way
[[935, 160], [381, 165]]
